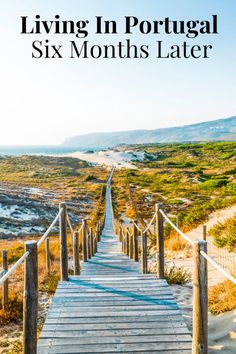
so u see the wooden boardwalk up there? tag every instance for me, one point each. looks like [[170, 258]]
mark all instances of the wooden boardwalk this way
[[113, 308]]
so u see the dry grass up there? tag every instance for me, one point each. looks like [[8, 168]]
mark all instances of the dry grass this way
[[11, 341], [14, 311], [222, 297], [175, 243], [47, 283], [177, 275]]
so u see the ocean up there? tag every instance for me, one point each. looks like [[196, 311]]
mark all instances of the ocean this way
[[39, 150]]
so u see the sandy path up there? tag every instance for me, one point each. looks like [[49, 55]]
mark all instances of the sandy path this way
[[214, 218], [221, 256]]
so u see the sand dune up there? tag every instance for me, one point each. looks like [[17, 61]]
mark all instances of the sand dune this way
[[118, 159], [221, 328]]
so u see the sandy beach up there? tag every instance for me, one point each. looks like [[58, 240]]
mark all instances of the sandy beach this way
[[118, 159]]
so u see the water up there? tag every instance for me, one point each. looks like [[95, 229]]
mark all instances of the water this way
[[40, 150]]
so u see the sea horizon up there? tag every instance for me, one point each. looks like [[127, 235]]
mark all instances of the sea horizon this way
[[19, 150]]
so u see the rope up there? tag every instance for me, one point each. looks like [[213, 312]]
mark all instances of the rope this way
[[204, 254], [49, 229], [176, 228], [69, 224], [138, 227], [149, 225], [130, 235], [80, 229], [13, 268], [25, 255], [219, 267]]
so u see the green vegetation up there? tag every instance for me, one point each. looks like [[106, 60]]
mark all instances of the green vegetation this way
[[40, 167], [64, 176], [90, 178], [49, 284], [191, 180], [224, 234]]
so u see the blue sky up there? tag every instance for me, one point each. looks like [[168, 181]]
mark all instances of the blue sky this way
[[45, 101]]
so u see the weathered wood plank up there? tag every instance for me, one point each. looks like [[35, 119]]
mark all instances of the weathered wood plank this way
[[58, 312], [165, 334], [172, 319], [154, 326], [105, 303], [116, 348], [60, 339]]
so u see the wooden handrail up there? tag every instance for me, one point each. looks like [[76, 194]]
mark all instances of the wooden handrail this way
[[200, 285], [30, 257]]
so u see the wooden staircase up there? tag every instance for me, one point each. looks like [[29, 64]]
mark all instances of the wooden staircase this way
[[113, 308]]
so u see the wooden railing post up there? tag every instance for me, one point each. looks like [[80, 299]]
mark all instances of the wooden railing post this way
[[131, 249], [120, 232], [135, 242], [160, 242], [127, 241], [99, 231], [76, 253], [84, 241], [204, 232], [91, 241], [121, 238], [95, 242], [144, 253], [30, 299], [5, 284], [63, 243], [47, 247], [200, 299], [89, 244]]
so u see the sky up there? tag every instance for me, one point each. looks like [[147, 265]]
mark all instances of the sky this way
[[44, 101]]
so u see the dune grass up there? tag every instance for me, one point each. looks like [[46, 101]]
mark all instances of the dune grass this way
[[224, 234], [222, 297]]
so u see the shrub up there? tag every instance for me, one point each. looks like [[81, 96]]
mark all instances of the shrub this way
[[14, 312], [49, 283], [224, 234], [222, 297], [175, 243], [214, 183], [195, 215], [227, 155], [177, 275], [90, 178]]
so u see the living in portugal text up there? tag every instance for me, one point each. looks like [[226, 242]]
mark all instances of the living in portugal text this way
[[84, 48]]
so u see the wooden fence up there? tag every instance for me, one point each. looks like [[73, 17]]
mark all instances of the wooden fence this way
[[129, 238], [90, 238]]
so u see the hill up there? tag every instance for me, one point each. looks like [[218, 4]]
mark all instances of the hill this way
[[217, 130]]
